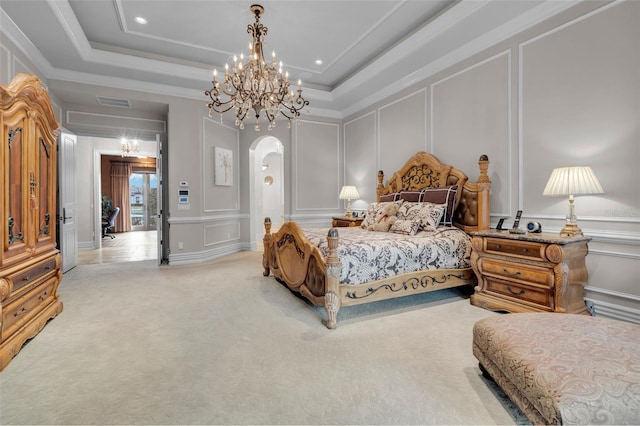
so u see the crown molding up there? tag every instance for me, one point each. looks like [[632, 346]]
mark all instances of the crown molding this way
[[338, 96]]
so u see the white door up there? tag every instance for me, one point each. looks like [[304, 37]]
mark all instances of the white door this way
[[159, 195], [67, 200]]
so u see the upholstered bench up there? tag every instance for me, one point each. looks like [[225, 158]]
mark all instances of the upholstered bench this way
[[563, 368]]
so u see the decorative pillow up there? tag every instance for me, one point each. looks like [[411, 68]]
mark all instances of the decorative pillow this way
[[409, 211], [428, 214], [431, 216], [410, 196], [389, 197], [446, 196], [406, 227], [369, 216]]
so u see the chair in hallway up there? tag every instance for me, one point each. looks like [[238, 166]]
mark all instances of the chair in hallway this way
[[109, 222]]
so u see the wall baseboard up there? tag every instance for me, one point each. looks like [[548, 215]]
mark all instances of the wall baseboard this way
[[614, 311], [204, 256], [85, 246]]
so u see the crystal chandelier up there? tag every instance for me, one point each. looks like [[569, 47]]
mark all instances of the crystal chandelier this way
[[128, 147], [255, 85]]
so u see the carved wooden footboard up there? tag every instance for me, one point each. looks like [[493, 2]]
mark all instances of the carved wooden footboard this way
[[294, 261]]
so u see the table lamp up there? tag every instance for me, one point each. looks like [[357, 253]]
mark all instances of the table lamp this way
[[348, 193], [579, 180]]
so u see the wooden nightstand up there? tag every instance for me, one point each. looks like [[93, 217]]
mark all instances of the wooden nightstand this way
[[346, 221], [529, 272]]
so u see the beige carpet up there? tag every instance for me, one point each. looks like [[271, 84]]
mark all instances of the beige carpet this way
[[218, 343]]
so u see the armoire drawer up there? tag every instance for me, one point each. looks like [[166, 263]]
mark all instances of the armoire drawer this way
[[26, 306], [31, 274]]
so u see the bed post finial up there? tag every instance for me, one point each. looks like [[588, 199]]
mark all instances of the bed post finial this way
[[483, 164], [380, 186], [266, 243], [331, 298], [484, 192]]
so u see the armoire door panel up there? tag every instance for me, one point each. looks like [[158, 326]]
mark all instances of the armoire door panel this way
[[15, 240]]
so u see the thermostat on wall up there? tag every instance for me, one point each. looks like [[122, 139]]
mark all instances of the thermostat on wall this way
[[184, 183], [182, 192]]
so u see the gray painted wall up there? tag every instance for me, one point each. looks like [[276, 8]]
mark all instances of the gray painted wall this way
[[564, 93]]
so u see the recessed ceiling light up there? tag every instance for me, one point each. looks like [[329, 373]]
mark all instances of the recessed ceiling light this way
[[141, 20], [318, 61]]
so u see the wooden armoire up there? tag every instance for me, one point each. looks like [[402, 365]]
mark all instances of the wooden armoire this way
[[29, 260]]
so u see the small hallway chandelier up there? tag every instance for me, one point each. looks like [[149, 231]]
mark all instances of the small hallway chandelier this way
[[128, 147], [255, 85]]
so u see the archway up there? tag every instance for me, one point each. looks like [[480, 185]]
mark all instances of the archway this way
[[267, 189]]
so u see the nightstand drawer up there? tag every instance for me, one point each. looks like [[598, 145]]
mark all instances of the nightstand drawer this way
[[518, 292], [515, 271], [524, 249]]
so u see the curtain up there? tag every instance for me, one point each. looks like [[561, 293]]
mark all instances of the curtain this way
[[120, 173]]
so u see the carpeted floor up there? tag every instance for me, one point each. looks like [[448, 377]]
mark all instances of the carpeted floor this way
[[218, 343]]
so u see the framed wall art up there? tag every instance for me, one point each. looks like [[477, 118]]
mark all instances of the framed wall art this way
[[223, 162]]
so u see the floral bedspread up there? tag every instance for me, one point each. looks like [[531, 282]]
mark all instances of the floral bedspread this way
[[368, 256]]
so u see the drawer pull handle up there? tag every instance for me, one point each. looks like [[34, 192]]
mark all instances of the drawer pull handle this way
[[506, 271], [46, 268], [43, 296], [524, 250], [498, 246], [20, 312], [26, 279], [519, 293]]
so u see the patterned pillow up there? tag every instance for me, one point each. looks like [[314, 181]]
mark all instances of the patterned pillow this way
[[406, 227], [446, 196], [409, 211], [428, 214], [369, 216], [431, 215]]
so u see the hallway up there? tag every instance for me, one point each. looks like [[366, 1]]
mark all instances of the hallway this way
[[125, 247]]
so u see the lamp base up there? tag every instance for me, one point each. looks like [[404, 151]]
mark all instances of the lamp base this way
[[348, 213], [570, 230]]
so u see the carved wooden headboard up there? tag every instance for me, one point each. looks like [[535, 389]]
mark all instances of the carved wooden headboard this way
[[424, 170]]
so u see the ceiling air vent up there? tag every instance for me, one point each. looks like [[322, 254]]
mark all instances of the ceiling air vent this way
[[115, 102]]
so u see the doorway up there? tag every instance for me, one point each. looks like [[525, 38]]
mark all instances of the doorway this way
[[268, 184], [126, 246]]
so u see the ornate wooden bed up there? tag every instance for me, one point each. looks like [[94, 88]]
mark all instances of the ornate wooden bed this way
[[293, 260]]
